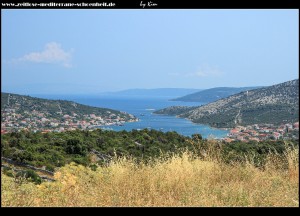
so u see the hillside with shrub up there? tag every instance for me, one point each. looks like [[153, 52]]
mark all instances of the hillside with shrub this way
[[209, 174], [53, 150], [277, 104]]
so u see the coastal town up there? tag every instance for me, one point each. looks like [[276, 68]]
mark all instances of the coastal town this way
[[40, 121], [261, 132], [40, 115]]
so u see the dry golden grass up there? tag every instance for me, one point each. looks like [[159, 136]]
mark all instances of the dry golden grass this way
[[178, 180]]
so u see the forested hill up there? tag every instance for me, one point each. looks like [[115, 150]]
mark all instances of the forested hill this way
[[274, 105], [213, 94], [19, 111]]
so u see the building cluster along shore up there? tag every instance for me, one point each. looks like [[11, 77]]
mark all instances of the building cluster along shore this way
[[39, 121], [260, 132]]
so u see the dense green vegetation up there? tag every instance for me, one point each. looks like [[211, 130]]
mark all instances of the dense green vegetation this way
[[57, 149]]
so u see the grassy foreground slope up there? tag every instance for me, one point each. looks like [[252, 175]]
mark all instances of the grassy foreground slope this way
[[181, 179]]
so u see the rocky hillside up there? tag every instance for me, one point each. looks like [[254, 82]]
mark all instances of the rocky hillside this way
[[274, 105], [175, 110], [213, 94]]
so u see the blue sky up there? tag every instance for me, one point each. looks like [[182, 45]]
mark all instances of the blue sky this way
[[91, 51]]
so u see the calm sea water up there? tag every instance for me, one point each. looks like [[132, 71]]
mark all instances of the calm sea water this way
[[143, 108]]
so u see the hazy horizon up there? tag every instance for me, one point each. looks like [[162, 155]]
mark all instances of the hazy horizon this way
[[98, 51], [125, 90]]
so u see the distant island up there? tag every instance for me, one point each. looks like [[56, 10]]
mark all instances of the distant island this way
[[153, 93], [24, 112], [277, 104], [212, 94]]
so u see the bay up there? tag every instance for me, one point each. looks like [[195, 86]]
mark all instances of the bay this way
[[143, 109]]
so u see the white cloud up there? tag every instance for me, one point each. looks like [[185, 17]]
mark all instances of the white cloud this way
[[206, 71], [53, 53]]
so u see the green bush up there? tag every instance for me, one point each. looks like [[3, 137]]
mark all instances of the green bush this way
[[30, 175]]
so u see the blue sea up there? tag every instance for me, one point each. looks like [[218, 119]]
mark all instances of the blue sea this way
[[143, 108]]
